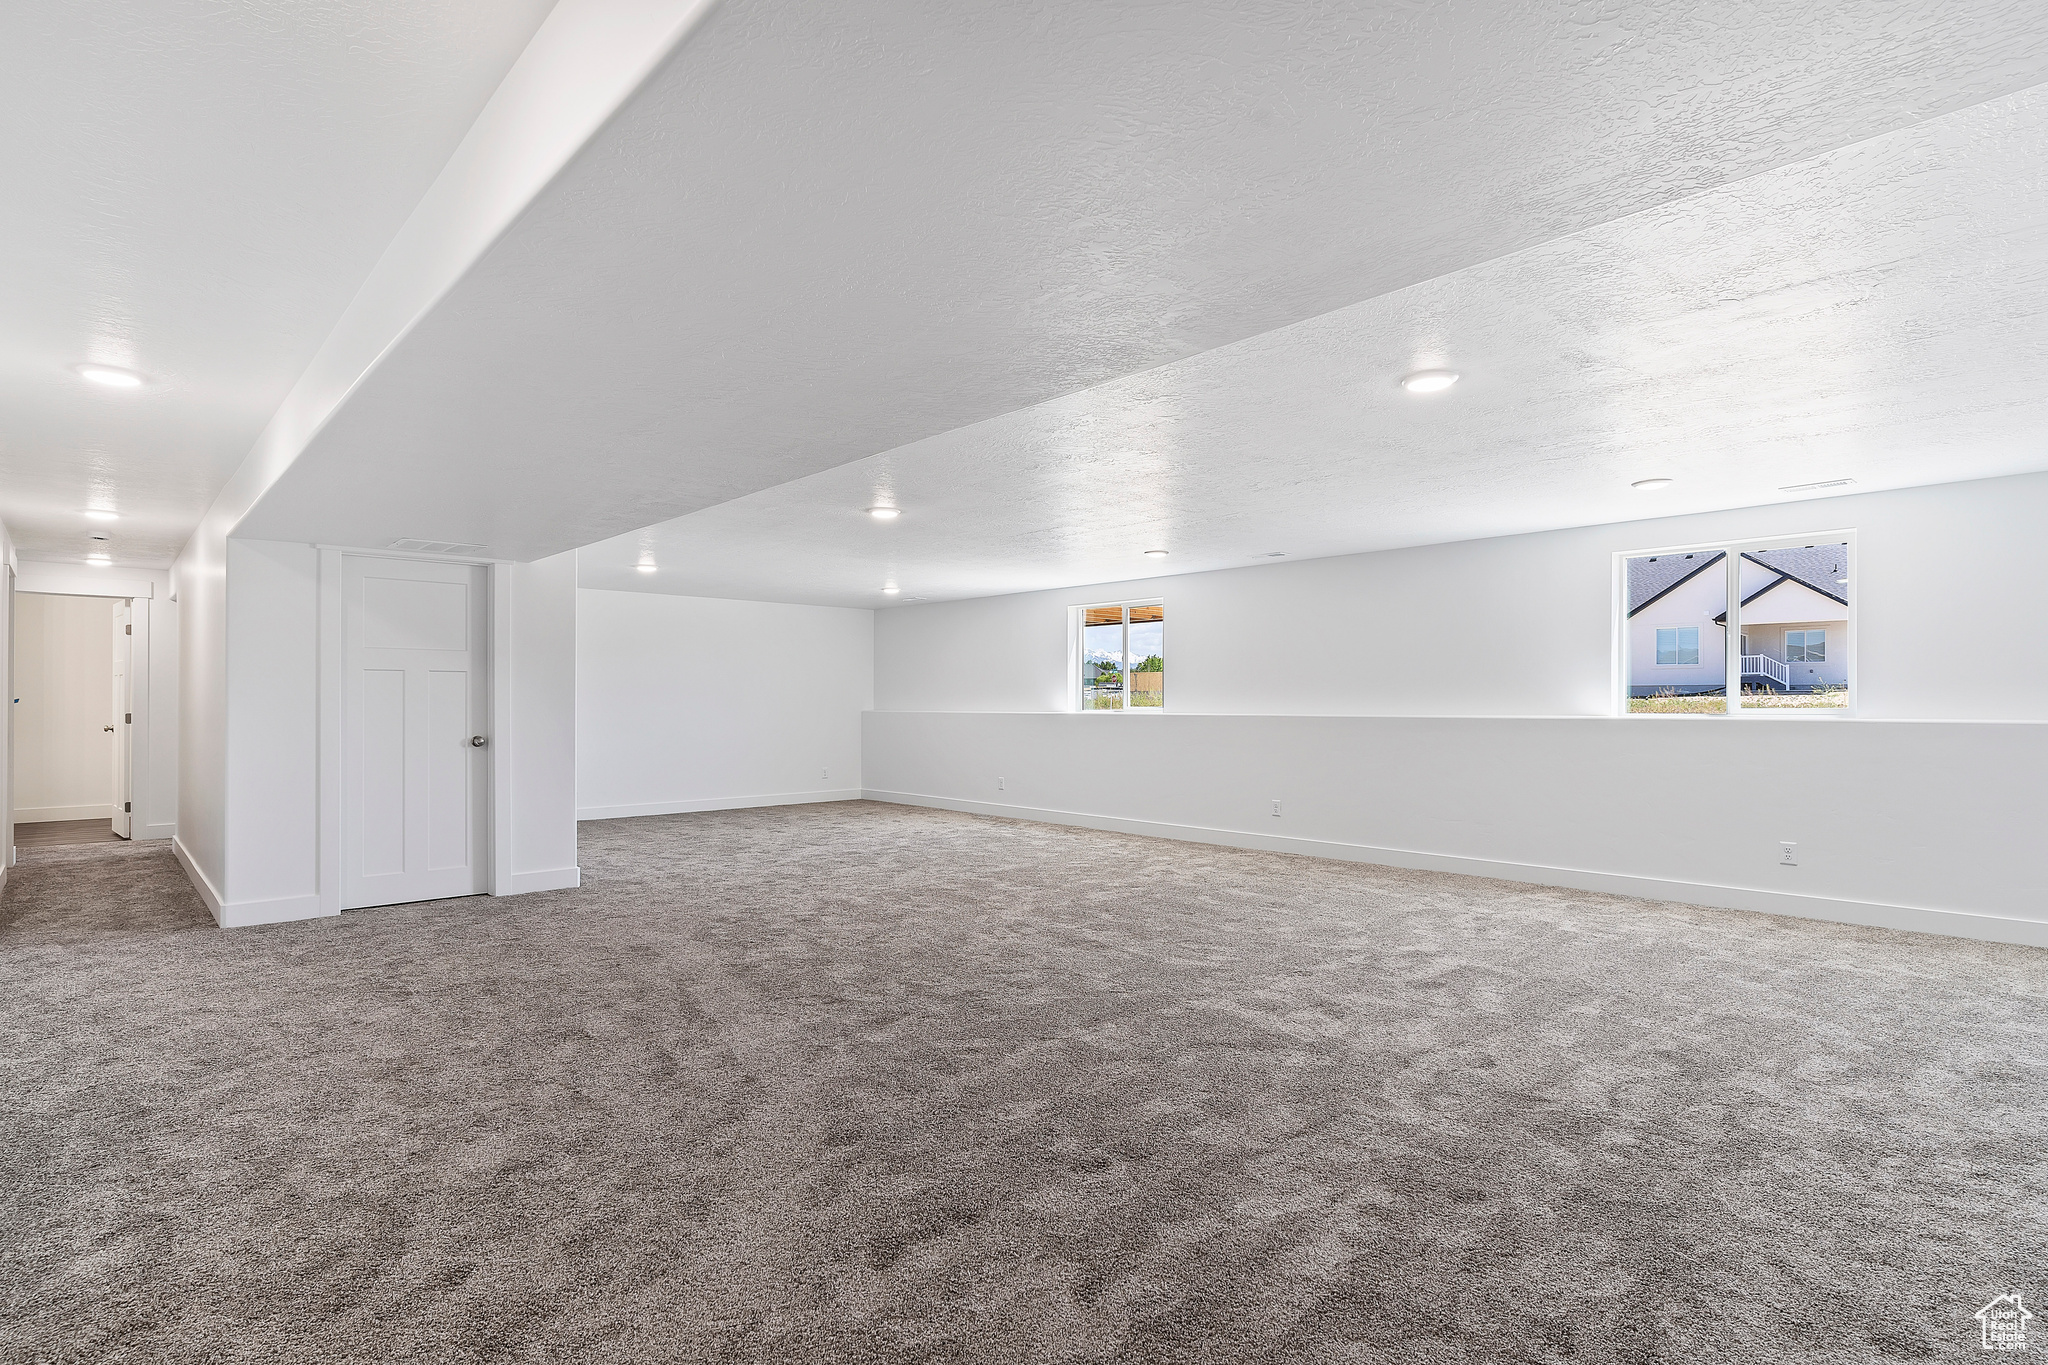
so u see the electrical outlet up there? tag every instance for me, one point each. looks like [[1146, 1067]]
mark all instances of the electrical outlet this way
[[1276, 808], [999, 785], [825, 773], [1788, 854]]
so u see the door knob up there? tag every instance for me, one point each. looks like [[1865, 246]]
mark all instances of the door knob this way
[[108, 728], [476, 741]]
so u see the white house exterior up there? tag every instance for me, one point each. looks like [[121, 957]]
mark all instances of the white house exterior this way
[[1794, 621]]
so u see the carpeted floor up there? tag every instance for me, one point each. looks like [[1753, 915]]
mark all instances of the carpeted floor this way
[[867, 1083]]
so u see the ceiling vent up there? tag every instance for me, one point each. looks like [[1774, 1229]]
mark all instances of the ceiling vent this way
[[1816, 487], [435, 547]]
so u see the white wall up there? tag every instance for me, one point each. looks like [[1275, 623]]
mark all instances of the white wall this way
[[1923, 812], [199, 581], [1919, 825], [1521, 625], [273, 732], [250, 780], [156, 777], [63, 685], [693, 703], [540, 780]]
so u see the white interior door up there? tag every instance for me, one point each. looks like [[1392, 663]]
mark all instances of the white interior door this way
[[412, 730], [124, 718]]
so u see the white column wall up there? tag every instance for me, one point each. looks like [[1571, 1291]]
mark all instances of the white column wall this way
[[157, 770], [273, 732], [542, 695], [199, 579], [693, 703], [250, 778]]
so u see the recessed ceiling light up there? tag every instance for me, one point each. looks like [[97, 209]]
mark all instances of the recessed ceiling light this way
[[644, 568], [1430, 381], [101, 514], [1650, 485], [892, 591], [112, 376], [1155, 554], [885, 513], [98, 561]]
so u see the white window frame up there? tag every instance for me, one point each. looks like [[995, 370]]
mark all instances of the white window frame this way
[[1077, 654], [1732, 636]]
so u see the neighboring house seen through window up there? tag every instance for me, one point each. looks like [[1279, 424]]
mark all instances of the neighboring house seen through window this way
[[1788, 646], [1123, 657]]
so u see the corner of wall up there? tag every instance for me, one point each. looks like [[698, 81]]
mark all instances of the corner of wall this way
[[195, 874], [542, 698]]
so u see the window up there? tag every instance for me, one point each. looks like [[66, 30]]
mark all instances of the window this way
[[1678, 646], [1123, 657], [1771, 618], [1676, 650], [1806, 646]]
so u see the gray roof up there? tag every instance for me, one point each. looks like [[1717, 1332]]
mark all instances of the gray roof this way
[[1820, 567], [1651, 576], [1816, 566]]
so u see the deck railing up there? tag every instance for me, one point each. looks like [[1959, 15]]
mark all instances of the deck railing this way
[[1764, 666]]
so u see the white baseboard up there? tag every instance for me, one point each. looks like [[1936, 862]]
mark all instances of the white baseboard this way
[[716, 803], [282, 910], [243, 914], [43, 815], [1874, 914], [548, 879], [142, 833], [198, 879]]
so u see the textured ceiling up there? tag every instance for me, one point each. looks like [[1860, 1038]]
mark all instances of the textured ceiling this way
[[194, 189], [1878, 313], [827, 230]]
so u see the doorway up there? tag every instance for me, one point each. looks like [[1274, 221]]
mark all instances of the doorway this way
[[72, 708]]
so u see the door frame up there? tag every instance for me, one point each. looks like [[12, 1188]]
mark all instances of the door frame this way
[[123, 815], [332, 671], [67, 580]]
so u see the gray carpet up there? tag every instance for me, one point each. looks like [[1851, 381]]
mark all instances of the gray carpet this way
[[865, 1083]]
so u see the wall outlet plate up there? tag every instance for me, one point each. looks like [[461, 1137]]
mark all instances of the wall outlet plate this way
[[1788, 854]]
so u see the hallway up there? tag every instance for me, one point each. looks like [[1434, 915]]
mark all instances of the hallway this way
[[64, 833]]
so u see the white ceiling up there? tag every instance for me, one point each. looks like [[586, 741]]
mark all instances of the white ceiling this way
[[1878, 313], [1003, 244], [194, 189], [824, 231]]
